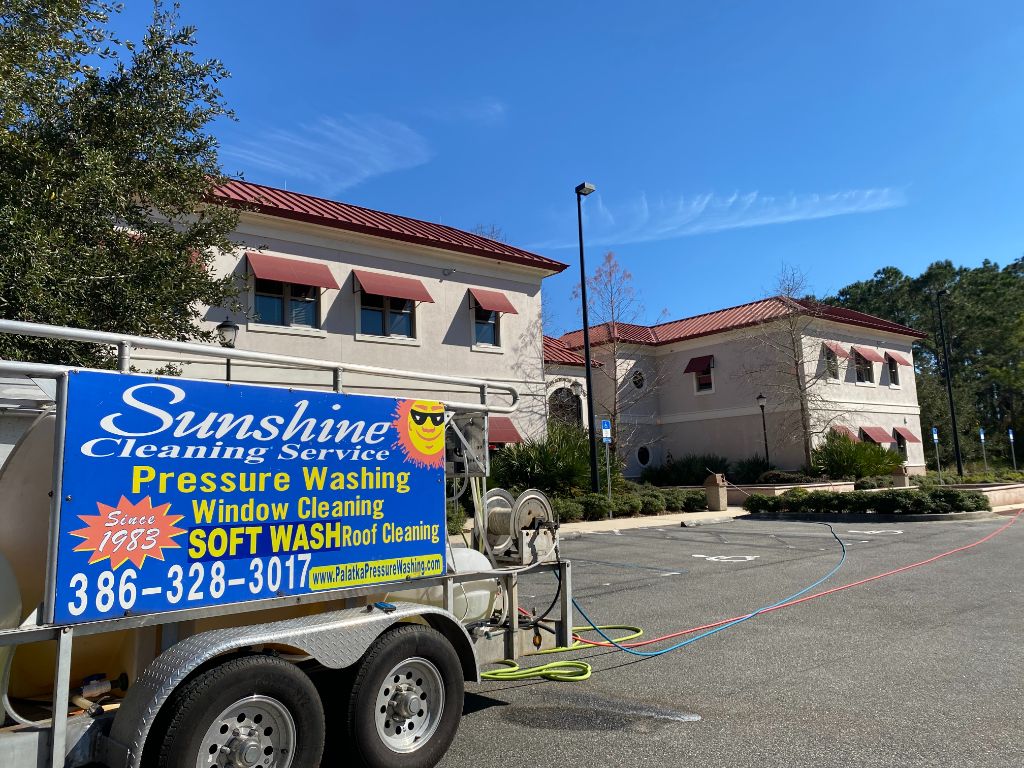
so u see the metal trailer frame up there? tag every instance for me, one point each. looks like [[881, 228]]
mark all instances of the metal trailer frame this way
[[336, 638]]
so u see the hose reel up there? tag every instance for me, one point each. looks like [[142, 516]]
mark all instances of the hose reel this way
[[507, 518]]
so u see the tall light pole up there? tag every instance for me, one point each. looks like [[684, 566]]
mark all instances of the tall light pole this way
[[228, 332], [762, 401], [582, 191], [949, 383]]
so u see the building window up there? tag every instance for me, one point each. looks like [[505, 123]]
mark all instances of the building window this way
[[831, 364], [703, 380], [894, 372], [566, 407], [486, 327], [643, 455], [901, 441], [865, 369], [638, 379], [291, 304], [386, 316]]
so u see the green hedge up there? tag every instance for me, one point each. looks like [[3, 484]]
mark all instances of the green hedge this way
[[456, 518], [691, 469], [567, 510], [596, 506], [891, 502]]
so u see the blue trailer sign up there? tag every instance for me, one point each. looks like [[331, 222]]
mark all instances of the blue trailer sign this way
[[179, 494]]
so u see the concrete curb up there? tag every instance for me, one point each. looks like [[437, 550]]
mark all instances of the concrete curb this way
[[863, 517]]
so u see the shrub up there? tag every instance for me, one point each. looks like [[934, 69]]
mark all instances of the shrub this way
[[567, 510], [691, 469], [557, 463], [596, 506], [779, 477], [694, 501], [456, 518], [652, 504], [876, 481], [627, 504], [839, 456], [749, 470], [762, 503]]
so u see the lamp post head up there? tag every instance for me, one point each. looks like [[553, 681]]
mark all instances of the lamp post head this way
[[228, 332], [585, 189], [762, 401]]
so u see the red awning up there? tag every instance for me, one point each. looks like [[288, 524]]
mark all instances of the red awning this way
[[878, 435], [838, 348], [392, 285], [900, 359], [907, 435], [868, 354], [493, 301], [502, 430], [699, 364], [291, 270], [848, 432]]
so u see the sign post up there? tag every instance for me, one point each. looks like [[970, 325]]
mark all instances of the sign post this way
[[606, 437], [1013, 453], [935, 440], [984, 456]]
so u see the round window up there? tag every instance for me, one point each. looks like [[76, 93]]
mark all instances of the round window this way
[[643, 455], [638, 379]]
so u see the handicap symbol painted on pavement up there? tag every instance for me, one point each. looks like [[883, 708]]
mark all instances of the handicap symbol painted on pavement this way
[[728, 558], [878, 533]]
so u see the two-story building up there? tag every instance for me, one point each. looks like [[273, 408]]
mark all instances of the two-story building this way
[[694, 385], [333, 281]]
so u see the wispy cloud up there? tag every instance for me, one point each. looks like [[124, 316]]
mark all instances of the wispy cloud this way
[[641, 221], [332, 154], [485, 111]]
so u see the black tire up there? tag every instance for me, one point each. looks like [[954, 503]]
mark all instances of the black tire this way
[[194, 707], [393, 648]]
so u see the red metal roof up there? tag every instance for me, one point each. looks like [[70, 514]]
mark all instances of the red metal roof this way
[[909, 436], [353, 218], [500, 429], [868, 353], [493, 301], [556, 353], [699, 364], [900, 359], [392, 285], [878, 435], [721, 320], [268, 267]]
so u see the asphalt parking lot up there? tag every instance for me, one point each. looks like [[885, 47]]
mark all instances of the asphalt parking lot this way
[[923, 668]]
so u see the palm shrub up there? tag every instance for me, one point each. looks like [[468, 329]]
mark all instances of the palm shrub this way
[[839, 456], [749, 470], [556, 463]]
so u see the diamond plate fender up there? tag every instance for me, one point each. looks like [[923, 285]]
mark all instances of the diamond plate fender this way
[[335, 639]]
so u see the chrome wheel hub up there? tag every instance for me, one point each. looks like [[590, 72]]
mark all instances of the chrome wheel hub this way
[[409, 705], [254, 732]]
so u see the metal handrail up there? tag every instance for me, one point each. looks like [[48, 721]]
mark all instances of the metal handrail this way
[[126, 342]]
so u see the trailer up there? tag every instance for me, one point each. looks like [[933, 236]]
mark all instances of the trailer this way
[[212, 573]]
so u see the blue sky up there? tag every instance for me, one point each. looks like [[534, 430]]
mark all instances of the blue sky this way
[[726, 139]]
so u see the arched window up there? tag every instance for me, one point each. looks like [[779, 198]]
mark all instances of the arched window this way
[[566, 407]]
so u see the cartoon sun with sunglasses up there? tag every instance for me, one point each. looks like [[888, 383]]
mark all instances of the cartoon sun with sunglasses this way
[[420, 427]]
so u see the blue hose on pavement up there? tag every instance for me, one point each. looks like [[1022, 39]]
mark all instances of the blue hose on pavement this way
[[748, 617]]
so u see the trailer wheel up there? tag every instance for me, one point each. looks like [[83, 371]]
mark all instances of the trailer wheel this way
[[406, 701], [250, 712]]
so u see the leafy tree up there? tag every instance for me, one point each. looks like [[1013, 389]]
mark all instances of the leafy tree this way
[[106, 169]]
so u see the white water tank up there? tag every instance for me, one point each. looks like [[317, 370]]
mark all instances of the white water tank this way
[[472, 601]]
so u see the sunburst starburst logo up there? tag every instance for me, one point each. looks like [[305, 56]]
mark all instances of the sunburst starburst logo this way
[[128, 532], [419, 425]]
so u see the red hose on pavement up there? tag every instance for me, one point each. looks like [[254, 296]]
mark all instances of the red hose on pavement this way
[[691, 630]]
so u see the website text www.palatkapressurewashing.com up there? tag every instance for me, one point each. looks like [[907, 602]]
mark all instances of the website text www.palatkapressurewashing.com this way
[[352, 574]]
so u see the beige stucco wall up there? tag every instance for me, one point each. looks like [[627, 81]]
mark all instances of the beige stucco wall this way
[[678, 420], [443, 343]]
